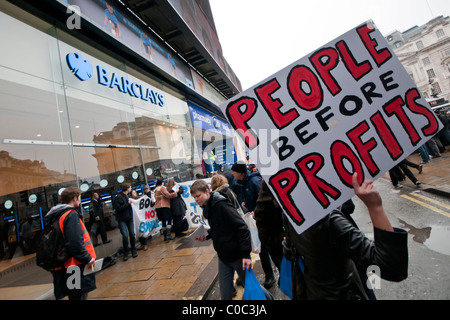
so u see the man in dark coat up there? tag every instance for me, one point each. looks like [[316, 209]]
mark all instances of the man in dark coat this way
[[229, 233], [76, 247], [98, 225], [124, 215], [334, 252]]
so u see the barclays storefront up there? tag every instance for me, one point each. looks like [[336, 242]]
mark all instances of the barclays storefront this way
[[73, 115]]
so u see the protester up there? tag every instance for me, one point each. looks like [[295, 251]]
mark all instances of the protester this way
[[134, 197], [424, 154], [78, 245], [419, 167], [444, 134], [229, 233], [98, 225], [162, 206], [251, 184], [177, 208], [124, 215], [219, 183], [268, 216], [334, 250]]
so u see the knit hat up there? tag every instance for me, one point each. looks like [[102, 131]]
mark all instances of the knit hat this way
[[239, 167]]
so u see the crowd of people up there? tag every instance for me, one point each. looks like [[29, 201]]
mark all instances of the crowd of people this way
[[329, 260]]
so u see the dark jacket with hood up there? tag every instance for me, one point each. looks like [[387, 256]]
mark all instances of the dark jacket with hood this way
[[73, 239], [229, 233], [251, 185], [177, 205], [124, 211], [334, 252]]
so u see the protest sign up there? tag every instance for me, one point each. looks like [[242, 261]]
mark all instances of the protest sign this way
[[146, 222], [194, 213], [349, 106]]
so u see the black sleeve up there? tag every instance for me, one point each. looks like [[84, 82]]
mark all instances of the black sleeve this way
[[240, 227], [121, 204], [389, 251]]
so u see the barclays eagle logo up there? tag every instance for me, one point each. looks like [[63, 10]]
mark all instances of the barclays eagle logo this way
[[81, 68]]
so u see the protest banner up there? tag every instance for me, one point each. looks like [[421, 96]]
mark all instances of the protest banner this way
[[194, 213], [146, 222], [349, 106]]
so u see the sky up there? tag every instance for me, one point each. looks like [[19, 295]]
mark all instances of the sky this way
[[261, 37]]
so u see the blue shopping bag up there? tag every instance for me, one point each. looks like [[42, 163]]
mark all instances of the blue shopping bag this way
[[253, 290], [286, 277]]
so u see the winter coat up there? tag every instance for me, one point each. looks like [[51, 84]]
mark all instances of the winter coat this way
[[73, 239], [269, 221], [124, 211], [334, 251], [229, 194], [251, 185], [229, 232], [163, 197], [177, 205]]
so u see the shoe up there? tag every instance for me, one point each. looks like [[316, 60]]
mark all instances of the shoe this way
[[145, 248], [269, 283], [134, 254], [418, 183], [420, 168], [398, 186], [167, 236], [125, 256], [107, 241]]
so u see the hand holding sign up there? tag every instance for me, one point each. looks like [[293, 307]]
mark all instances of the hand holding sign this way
[[372, 199]]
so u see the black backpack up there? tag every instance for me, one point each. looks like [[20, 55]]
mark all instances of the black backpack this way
[[51, 253]]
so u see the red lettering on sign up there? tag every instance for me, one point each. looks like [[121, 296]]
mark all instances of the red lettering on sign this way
[[411, 101], [380, 56], [239, 113], [339, 152], [395, 107], [387, 136], [364, 149], [357, 70], [309, 166], [283, 183], [272, 106], [324, 61], [312, 98]]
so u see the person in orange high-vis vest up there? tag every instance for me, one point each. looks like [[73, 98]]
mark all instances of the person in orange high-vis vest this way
[[79, 248]]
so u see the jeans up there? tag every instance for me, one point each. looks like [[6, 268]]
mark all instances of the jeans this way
[[226, 275], [424, 154], [127, 228]]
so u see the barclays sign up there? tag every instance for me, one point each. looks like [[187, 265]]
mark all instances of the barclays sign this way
[[83, 70]]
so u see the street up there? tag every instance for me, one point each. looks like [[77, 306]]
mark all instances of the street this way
[[426, 217]]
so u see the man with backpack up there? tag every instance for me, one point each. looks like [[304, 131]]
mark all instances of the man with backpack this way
[[78, 248]]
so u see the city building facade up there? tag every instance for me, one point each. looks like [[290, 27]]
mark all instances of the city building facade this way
[[424, 51], [95, 93]]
